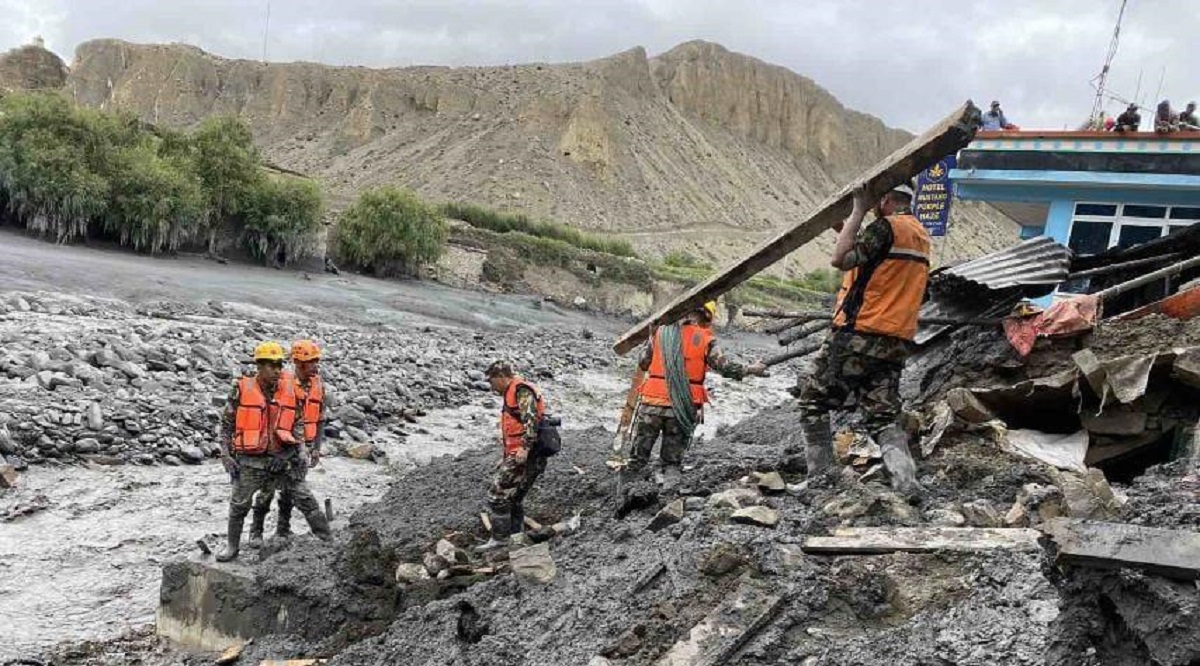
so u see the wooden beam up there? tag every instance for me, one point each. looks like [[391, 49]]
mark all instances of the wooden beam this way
[[879, 540], [946, 138], [1170, 553], [727, 627]]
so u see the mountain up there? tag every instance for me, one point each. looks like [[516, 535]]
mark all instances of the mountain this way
[[698, 148]]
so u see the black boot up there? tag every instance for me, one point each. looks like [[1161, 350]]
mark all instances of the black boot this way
[[898, 460], [258, 517], [283, 525], [501, 531], [319, 525], [818, 446], [233, 546]]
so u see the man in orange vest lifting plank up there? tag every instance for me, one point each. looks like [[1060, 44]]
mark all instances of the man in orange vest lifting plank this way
[[673, 394], [521, 463], [261, 438], [310, 392], [875, 320]]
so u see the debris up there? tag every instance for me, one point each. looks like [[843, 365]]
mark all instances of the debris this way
[[756, 515], [967, 407], [361, 451], [487, 522], [728, 626], [470, 628], [233, 652], [8, 475], [329, 509], [734, 498], [1061, 451], [435, 564], [533, 564], [1116, 420], [203, 546], [1171, 553], [451, 553], [941, 419], [877, 540], [669, 515], [981, 513], [771, 483], [1087, 495]]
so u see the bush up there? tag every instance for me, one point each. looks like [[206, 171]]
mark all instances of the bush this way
[[223, 152], [156, 203], [282, 216], [484, 218], [682, 259], [390, 231]]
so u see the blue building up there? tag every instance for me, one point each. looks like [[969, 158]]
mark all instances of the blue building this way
[[1091, 191]]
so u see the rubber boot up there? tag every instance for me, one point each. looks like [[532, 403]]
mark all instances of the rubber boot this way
[[818, 446], [893, 442], [501, 531], [258, 517], [319, 525], [233, 546], [516, 524], [671, 475], [283, 525]]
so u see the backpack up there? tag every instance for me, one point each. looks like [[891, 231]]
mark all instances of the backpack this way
[[549, 440]]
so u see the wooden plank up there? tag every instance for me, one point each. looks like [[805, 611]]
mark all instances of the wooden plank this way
[[728, 626], [880, 540], [1170, 553], [946, 138]]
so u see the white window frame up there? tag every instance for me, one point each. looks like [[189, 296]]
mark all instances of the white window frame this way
[[1165, 224]]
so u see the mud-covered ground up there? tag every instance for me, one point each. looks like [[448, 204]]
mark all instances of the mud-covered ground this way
[[97, 511]]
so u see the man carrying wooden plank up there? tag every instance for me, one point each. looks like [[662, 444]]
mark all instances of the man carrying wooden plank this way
[[875, 320]]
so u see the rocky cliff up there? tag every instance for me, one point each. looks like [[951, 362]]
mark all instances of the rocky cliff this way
[[698, 148]]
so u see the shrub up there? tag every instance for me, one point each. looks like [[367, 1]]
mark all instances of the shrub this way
[[223, 152], [156, 203], [282, 216], [682, 259], [390, 231], [485, 218]]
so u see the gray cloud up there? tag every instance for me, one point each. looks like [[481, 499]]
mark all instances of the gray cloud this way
[[907, 61]]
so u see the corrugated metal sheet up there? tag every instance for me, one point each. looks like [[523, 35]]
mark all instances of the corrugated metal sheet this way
[[1037, 261], [979, 308]]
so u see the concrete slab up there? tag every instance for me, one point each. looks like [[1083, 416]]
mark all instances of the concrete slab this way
[[879, 540], [1170, 553]]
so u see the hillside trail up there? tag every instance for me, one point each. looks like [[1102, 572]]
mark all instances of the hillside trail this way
[[81, 546]]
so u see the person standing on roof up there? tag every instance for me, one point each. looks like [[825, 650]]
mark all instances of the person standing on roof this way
[[1129, 120], [261, 437], [520, 465], [994, 120], [1188, 119], [858, 365], [310, 392], [673, 394]]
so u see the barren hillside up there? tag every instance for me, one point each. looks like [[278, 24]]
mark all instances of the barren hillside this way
[[698, 148]]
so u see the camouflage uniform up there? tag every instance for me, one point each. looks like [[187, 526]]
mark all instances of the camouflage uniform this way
[[299, 471], [654, 419], [256, 474], [857, 372], [512, 480]]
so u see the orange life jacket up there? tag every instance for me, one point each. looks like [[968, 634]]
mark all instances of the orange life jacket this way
[[261, 427], [511, 428], [696, 341], [311, 402], [884, 298]]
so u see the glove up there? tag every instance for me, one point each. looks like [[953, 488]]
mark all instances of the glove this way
[[231, 466], [276, 465]]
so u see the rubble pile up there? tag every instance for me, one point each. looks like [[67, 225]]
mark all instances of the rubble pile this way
[[113, 383]]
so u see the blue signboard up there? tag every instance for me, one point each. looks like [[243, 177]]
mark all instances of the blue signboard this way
[[934, 192]]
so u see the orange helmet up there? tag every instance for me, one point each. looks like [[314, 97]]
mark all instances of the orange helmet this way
[[305, 350]]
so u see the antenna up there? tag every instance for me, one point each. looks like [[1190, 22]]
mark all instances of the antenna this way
[[1158, 92], [266, 31], [1102, 78]]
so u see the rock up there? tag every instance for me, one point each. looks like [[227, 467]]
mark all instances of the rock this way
[[191, 454], [408, 573], [435, 564], [351, 415], [967, 407], [450, 552], [579, 302], [722, 559], [771, 483], [734, 498], [981, 513], [533, 564], [357, 434], [694, 503], [87, 445], [669, 515], [1114, 420], [7, 446], [171, 460], [22, 304], [8, 476], [361, 451], [45, 379], [1086, 496], [757, 515], [95, 417], [627, 644], [599, 661], [945, 518]]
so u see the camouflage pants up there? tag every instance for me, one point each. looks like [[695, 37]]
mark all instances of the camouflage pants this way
[[262, 500], [855, 373], [252, 477], [510, 484], [653, 421]]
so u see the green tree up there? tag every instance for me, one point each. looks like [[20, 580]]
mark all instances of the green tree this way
[[156, 203], [50, 165], [227, 163], [282, 217], [390, 231]]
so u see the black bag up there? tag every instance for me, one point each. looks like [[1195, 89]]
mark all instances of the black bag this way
[[549, 440]]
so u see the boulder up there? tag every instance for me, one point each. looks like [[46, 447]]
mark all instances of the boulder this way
[[95, 417], [408, 573], [533, 564], [435, 564], [669, 515], [757, 515], [967, 406], [361, 451], [771, 483], [191, 454], [87, 445], [451, 553], [734, 498]]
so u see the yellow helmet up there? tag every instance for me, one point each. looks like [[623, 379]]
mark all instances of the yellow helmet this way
[[305, 350], [710, 308], [269, 351]]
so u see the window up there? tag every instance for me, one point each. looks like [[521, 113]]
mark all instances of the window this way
[[1097, 227]]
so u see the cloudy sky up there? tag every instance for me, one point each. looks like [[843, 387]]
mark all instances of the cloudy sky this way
[[906, 61]]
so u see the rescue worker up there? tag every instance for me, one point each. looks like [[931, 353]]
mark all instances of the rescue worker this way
[[261, 438], [310, 392], [658, 414], [1188, 119], [858, 365], [520, 465], [1129, 120]]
